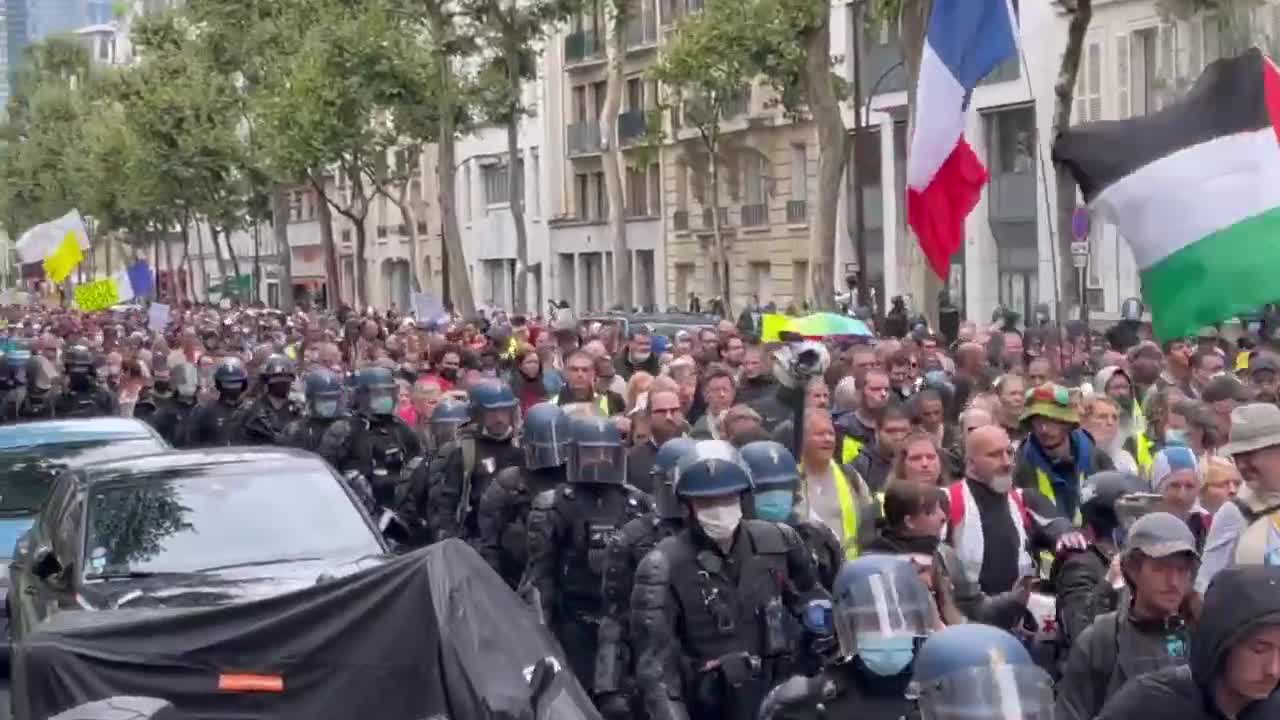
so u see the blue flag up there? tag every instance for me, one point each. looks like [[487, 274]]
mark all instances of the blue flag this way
[[141, 279]]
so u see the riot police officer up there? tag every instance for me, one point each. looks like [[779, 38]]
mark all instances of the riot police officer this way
[[446, 421], [713, 610], [83, 398], [462, 470], [172, 413], [373, 441], [265, 420], [34, 399], [323, 392], [212, 424], [570, 530], [635, 540], [15, 374], [882, 612], [504, 506], [979, 672]]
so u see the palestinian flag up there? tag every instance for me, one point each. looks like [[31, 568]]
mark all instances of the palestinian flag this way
[[1195, 191]]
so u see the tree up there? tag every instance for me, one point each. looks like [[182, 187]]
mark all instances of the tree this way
[[1081, 12], [709, 66]]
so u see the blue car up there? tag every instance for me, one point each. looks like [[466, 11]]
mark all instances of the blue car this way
[[32, 455]]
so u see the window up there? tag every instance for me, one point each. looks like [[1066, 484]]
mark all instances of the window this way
[[1088, 103], [799, 172], [295, 206], [1122, 76], [598, 90], [601, 196], [346, 237], [655, 189], [1153, 81], [1013, 144], [684, 281], [580, 103], [273, 294], [637, 193], [533, 198], [466, 190], [755, 168], [635, 93], [496, 190], [682, 186], [582, 196], [761, 279], [799, 280]]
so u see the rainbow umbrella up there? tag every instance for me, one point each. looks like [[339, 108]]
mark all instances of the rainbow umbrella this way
[[828, 325]]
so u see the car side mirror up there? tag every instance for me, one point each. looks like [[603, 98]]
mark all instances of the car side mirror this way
[[45, 564]]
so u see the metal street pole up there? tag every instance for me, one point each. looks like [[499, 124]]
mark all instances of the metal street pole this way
[[855, 175]]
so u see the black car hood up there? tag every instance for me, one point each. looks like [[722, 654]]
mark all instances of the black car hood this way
[[220, 587]]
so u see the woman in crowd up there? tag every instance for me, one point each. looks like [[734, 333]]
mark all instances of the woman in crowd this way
[[528, 381], [919, 461]]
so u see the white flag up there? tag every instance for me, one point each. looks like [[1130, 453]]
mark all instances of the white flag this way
[[42, 240]]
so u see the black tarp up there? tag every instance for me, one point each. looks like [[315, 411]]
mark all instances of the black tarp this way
[[432, 635]]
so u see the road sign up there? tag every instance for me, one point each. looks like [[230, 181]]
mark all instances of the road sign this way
[[1080, 261], [1080, 223]]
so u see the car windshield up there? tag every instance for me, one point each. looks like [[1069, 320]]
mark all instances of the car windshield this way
[[201, 521], [27, 473]]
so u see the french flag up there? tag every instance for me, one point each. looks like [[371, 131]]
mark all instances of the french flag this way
[[965, 41]]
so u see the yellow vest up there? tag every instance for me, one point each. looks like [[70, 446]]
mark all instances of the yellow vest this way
[[848, 511], [600, 400], [850, 449], [1142, 447], [1046, 489]]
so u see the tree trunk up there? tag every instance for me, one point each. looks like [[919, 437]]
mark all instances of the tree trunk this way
[[921, 280], [833, 154], [280, 233], [332, 277], [721, 258], [462, 301], [357, 211], [1064, 95], [204, 267], [410, 219], [217, 253], [612, 159], [168, 261], [231, 254], [515, 184]]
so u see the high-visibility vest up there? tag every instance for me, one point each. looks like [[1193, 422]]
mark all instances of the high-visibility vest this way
[[1046, 488], [600, 400], [850, 449], [1143, 454], [848, 511]]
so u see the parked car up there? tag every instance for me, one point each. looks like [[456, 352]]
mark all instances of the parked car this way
[[188, 529], [33, 454]]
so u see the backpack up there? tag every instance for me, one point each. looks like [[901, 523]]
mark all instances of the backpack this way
[[955, 499]]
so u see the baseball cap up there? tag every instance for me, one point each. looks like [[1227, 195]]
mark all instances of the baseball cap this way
[[1160, 535]]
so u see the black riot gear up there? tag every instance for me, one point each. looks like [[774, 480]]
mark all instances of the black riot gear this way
[[35, 399], [278, 376], [267, 419], [546, 436], [78, 364], [324, 394], [596, 452], [219, 424], [448, 417], [374, 442], [375, 391], [230, 380], [495, 412], [172, 416], [83, 398]]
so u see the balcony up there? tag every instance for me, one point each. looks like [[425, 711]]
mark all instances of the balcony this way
[[422, 227], [642, 32], [382, 232], [797, 212], [632, 125], [706, 218], [584, 138], [755, 215], [882, 69], [680, 220], [582, 46], [1012, 197]]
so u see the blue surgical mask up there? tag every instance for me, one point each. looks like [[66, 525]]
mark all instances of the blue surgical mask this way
[[774, 505], [887, 657], [1175, 436], [382, 405], [326, 408]]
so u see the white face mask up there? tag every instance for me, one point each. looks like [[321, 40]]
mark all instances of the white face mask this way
[[720, 521], [1001, 483]]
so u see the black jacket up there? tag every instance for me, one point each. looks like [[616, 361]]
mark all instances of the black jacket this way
[[639, 464], [626, 368], [1075, 577], [1239, 601], [752, 390]]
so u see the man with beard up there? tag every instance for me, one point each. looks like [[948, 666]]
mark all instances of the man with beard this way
[[1114, 382], [1206, 364], [1146, 363], [1264, 376], [1177, 372], [1057, 455], [857, 429], [638, 355], [755, 382], [666, 422]]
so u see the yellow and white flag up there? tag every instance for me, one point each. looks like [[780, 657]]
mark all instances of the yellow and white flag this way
[[59, 243]]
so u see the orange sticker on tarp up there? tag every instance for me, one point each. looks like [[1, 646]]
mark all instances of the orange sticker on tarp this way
[[250, 682]]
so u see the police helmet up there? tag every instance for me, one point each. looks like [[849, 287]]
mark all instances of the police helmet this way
[[494, 409], [596, 452], [1132, 309], [277, 368], [323, 390], [714, 468], [185, 379], [1112, 500], [664, 476], [981, 672], [774, 477], [376, 391], [545, 436], [78, 361], [448, 416], [230, 377], [881, 607]]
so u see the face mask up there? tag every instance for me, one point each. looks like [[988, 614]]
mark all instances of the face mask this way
[[382, 405], [1001, 483], [1176, 437], [640, 357], [79, 381], [162, 387], [719, 522], [450, 374], [326, 408], [774, 505], [280, 391], [889, 656]]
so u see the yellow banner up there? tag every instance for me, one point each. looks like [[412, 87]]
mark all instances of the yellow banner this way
[[98, 295], [64, 258]]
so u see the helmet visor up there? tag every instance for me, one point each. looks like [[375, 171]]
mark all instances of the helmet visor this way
[[597, 464], [546, 454], [664, 496], [882, 607], [997, 691], [498, 423], [445, 430]]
